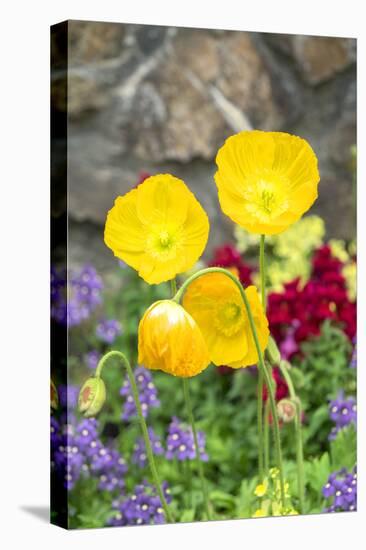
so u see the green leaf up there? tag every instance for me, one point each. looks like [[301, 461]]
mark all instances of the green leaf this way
[[343, 449]]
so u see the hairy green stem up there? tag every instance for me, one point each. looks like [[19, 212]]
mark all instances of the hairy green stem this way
[[260, 374], [261, 468], [144, 429], [187, 399], [276, 427], [262, 271], [266, 437], [298, 434]]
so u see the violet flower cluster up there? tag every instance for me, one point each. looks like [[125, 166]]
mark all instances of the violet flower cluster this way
[[92, 359], [180, 442], [77, 451], [107, 330], [341, 491], [147, 392], [75, 297], [343, 412], [142, 507], [139, 456]]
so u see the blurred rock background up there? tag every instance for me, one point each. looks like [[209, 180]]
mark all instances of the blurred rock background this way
[[161, 99]]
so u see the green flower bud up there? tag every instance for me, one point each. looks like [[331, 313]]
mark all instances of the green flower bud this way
[[273, 352], [92, 396], [286, 409], [54, 396]]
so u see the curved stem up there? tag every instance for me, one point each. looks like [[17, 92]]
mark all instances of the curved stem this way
[[173, 286], [260, 374], [298, 434], [262, 366], [195, 438], [144, 429]]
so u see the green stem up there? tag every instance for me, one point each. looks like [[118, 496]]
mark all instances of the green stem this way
[[262, 270], [298, 435], [195, 438], [144, 429], [260, 374], [173, 286], [260, 425], [266, 437], [187, 399], [267, 380]]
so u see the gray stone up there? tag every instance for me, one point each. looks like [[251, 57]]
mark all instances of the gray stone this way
[[164, 100], [318, 57]]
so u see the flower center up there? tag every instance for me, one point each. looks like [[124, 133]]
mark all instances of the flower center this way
[[228, 318], [265, 196], [163, 244]]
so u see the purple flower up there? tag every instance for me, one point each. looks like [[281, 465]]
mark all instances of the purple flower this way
[[92, 359], [108, 330], [75, 297], [142, 507], [343, 412], [341, 487], [110, 467], [289, 346], [68, 460], [147, 393], [68, 396], [77, 450], [180, 442], [139, 456]]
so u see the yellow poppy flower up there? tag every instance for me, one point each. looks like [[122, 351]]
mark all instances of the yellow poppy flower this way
[[159, 228], [170, 340], [215, 303], [266, 180]]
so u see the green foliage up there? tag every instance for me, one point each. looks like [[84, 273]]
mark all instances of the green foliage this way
[[324, 365], [225, 407]]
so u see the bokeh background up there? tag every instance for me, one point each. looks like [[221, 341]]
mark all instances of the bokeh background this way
[[163, 99]]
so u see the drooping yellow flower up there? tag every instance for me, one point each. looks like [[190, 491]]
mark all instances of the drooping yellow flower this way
[[170, 340], [214, 301], [266, 180], [159, 228]]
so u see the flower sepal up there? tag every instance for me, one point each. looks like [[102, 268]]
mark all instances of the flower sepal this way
[[92, 396]]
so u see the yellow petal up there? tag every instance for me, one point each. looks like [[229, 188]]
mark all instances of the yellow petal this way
[[159, 229], [266, 180], [214, 301], [124, 233], [162, 199], [170, 340]]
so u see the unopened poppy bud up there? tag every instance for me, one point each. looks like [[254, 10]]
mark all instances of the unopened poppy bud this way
[[286, 409], [54, 396], [273, 352], [92, 396]]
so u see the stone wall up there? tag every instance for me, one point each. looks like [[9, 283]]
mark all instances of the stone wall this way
[[163, 99]]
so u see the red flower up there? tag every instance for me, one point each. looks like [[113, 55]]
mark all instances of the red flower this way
[[323, 297], [228, 256], [281, 386]]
